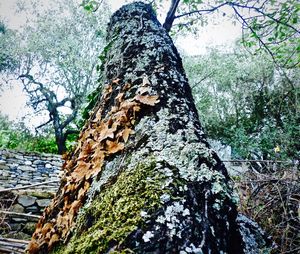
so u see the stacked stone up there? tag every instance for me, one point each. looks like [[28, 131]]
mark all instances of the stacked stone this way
[[22, 168], [26, 202], [19, 169]]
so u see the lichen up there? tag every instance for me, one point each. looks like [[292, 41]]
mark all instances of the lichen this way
[[117, 211]]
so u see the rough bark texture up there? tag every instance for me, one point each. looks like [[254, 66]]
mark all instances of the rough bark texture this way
[[165, 191]]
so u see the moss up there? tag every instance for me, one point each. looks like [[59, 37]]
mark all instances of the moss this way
[[117, 211]]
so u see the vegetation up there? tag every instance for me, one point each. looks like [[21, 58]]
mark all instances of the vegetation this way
[[239, 95], [247, 98], [248, 103], [56, 57], [17, 136], [271, 198]]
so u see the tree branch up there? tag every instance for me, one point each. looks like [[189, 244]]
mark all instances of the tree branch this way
[[252, 30], [171, 15], [69, 119], [200, 11], [258, 9], [43, 124]]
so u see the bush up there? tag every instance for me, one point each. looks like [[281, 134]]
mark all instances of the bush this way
[[17, 136]]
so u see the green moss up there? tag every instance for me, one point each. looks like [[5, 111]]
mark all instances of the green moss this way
[[116, 212]]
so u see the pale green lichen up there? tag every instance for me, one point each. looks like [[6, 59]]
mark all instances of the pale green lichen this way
[[117, 211]]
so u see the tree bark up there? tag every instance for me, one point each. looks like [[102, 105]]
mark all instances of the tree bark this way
[[143, 178]]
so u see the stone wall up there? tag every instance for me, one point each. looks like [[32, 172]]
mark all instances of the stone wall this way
[[22, 168], [21, 207]]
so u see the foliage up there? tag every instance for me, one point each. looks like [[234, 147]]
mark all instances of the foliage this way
[[17, 136], [245, 101], [269, 25], [7, 59], [276, 29], [57, 56]]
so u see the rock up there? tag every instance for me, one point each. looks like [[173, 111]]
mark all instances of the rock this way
[[48, 165], [15, 226], [19, 157], [25, 182], [2, 162], [18, 235], [255, 239], [26, 200], [43, 202], [28, 163], [4, 166], [32, 209], [17, 208], [57, 164], [5, 173], [19, 220], [38, 162], [27, 168], [40, 194]]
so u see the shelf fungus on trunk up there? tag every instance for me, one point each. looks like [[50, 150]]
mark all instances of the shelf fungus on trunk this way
[[143, 178]]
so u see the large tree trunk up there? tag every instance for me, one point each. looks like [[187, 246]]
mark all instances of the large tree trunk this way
[[143, 178]]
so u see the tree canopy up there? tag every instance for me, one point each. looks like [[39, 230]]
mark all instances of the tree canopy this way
[[245, 101], [56, 54], [273, 26]]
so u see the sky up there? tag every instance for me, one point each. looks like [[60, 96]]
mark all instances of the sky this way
[[13, 101]]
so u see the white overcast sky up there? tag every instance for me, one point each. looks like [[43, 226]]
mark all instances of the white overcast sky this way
[[13, 102]]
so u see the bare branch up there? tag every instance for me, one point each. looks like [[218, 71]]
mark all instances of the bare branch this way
[[44, 124], [69, 119], [171, 15], [252, 30], [200, 11]]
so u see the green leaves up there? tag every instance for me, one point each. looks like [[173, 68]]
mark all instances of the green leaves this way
[[17, 136], [90, 5], [244, 101], [276, 31]]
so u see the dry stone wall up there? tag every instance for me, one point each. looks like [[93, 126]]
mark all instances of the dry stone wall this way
[[23, 206], [22, 168]]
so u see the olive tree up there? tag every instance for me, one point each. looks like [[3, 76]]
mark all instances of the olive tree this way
[[57, 56]]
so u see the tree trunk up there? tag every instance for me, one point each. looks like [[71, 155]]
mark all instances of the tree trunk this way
[[60, 142], [58, 131], [143, 178]]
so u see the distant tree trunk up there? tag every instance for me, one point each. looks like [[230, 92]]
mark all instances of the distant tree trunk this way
[[143, 178], [59, 135], [61, 143]]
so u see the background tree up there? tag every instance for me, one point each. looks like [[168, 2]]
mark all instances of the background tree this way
[[57, 57], [7, 59], [245, 101]]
